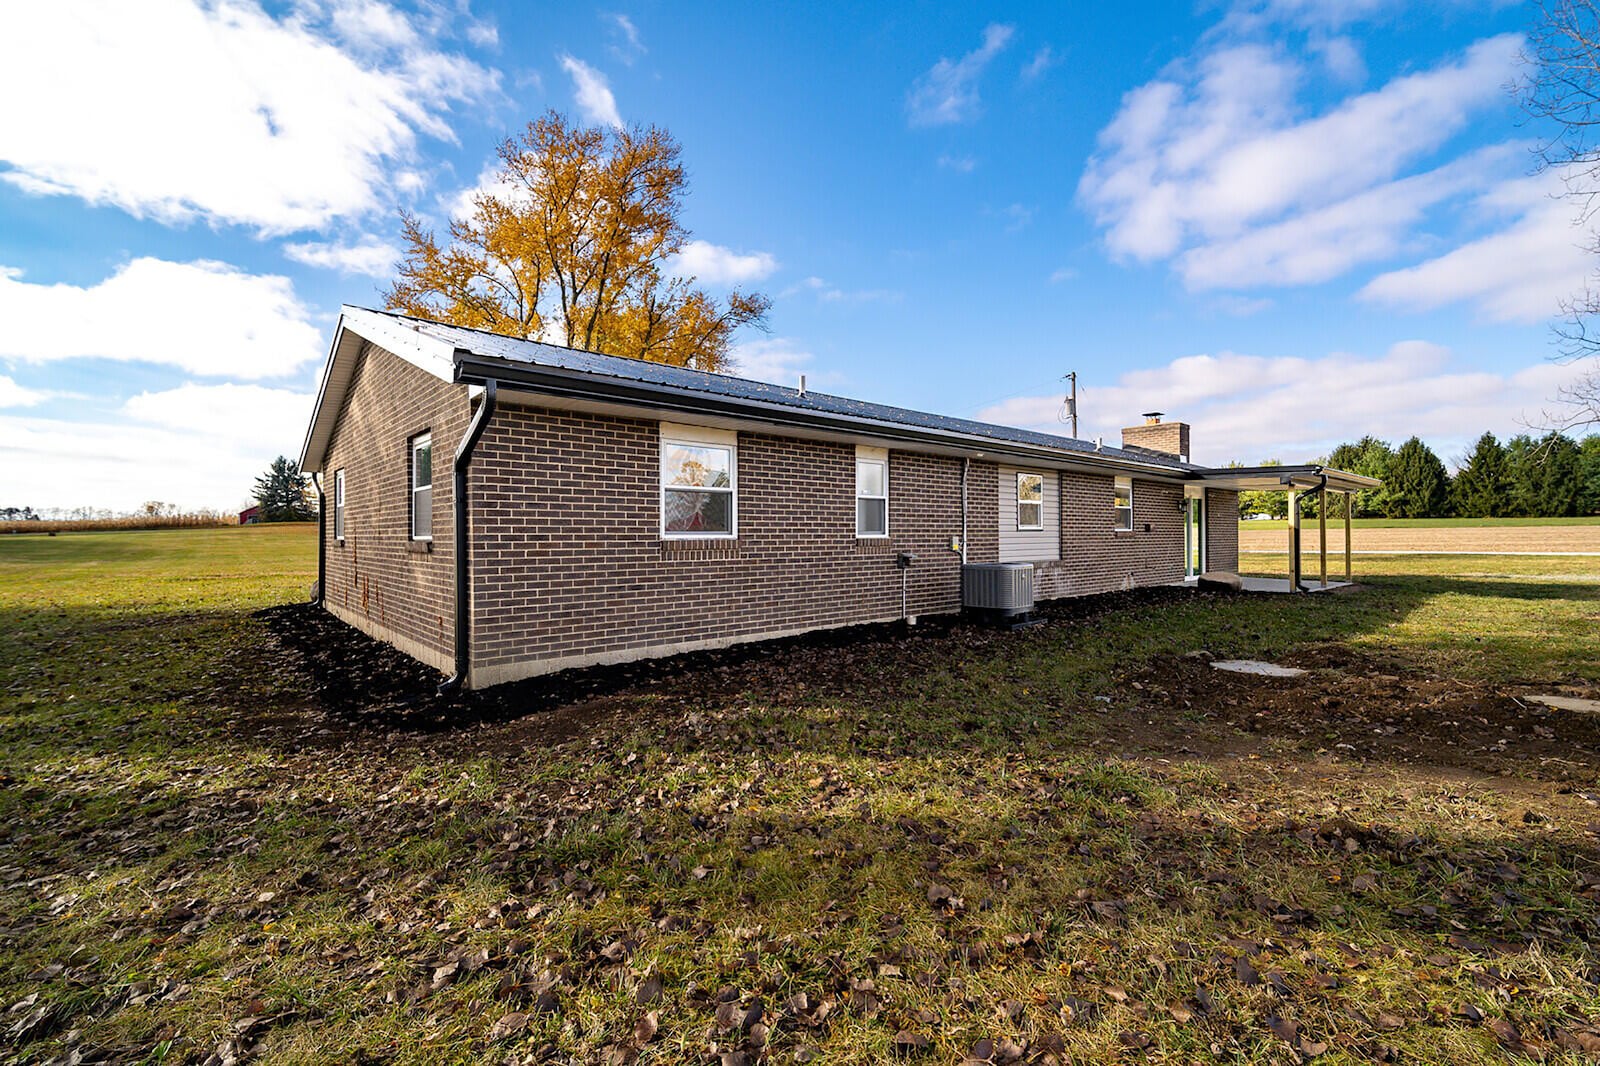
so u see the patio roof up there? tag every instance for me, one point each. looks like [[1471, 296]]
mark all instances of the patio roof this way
[[1306, 477]]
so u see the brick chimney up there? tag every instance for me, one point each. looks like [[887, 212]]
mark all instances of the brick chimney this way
[[1169, 438]]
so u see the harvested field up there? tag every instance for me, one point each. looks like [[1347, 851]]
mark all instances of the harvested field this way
[[1448, 540]]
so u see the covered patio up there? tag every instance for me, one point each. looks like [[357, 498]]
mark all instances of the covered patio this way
[[1324, 483]]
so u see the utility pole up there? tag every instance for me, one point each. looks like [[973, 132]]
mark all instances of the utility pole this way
[[1072, 401]]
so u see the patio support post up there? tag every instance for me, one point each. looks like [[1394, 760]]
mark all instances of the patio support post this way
[[1348, 501], [1322, 532], [1294, 540]]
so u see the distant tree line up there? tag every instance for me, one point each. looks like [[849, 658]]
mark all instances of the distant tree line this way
[[1535, 477]]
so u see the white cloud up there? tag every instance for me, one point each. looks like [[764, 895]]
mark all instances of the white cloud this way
[[204, 317], [14, 395], [1521, 273], [1322, 243], [961, 164], [1251, 407], [715, 265], [1192, 159], [591, 92], [254, 418], [829, 293], [195, 445], [948, 92], [629, 46], [1042, 60], [1060, 274], [779, 360], [491, 182], [368, 256], [181, 110], [57, 463]]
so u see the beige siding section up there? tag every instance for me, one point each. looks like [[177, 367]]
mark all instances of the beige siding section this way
[[1022, 546]]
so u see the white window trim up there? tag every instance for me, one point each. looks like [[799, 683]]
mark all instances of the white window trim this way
[[1040, 504], [338, 505], [697, 437], [1117, 508], [877, 457], [411, 514]]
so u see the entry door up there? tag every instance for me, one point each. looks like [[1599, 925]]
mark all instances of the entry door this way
[[1194, 536]]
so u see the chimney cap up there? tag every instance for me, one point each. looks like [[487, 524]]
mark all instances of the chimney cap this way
[[1152, 416]]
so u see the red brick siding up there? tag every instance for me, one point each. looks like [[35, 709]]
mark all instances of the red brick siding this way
[[1222, 530], [569, 565], [375, 582]]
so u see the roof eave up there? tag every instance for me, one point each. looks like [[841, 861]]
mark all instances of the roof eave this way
[[475, 369], [356, 326]]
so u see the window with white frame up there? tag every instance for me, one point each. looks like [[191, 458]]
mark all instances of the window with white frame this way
[[1124, 505], [698, 483], [422, 487], [872, 492], [1030, 501], [338, 505]]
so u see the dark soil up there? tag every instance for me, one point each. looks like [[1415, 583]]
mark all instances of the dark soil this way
[[1346, 707], [1353, 708], [358, 680]]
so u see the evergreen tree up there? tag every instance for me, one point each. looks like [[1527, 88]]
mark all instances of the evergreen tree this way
[[1418, 486], [1479, 489], [1522, 476], [282, 493], [1560, 476], [1589, 500], [1371, 457]]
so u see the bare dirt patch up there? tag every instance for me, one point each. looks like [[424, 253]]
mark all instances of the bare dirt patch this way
[[1446, 539]]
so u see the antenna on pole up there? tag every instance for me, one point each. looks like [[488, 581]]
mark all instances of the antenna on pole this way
[[1069, 406]]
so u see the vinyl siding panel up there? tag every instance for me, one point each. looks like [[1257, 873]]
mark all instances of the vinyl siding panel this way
[[1023, 546]]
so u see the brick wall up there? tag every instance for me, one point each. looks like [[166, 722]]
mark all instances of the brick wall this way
[[570, 568], [376, 582], [1222, 530], [1097, 558]]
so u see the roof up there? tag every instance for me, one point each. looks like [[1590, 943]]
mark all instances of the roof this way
[[456, 353]]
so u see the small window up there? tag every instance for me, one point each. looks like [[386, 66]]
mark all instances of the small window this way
[[872, 495], [1124, 505], [338, 505], [422, 487], [1030, 501], [697, 489]]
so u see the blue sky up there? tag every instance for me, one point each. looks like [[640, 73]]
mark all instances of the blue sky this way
[[1289, 222]]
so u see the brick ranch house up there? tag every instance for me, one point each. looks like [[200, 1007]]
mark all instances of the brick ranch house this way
[[614, 509]]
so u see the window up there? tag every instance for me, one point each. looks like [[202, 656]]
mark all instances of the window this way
[[697, 483], [872, 492], [422, 487], [1124, 505], [1030, 501], [338, 505]]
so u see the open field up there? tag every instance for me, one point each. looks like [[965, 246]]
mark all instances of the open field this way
[[1433, 535], [1432, 523], [1075, 843]]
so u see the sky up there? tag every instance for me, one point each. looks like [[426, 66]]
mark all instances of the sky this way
[[1287, 222]]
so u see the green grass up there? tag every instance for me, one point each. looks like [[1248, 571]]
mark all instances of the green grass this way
[[1335, 518], [186, 842]]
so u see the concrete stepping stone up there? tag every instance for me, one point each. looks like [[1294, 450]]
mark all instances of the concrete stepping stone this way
[[1257, 667], [1568, 703]]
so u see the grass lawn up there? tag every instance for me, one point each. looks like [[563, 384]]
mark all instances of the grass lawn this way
[[1075, 843], [1336, 518]]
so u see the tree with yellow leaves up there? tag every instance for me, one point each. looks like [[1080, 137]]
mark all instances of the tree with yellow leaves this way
[[572, 243]]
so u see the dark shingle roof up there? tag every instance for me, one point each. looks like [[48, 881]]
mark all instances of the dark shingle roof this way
[[537, 353]]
